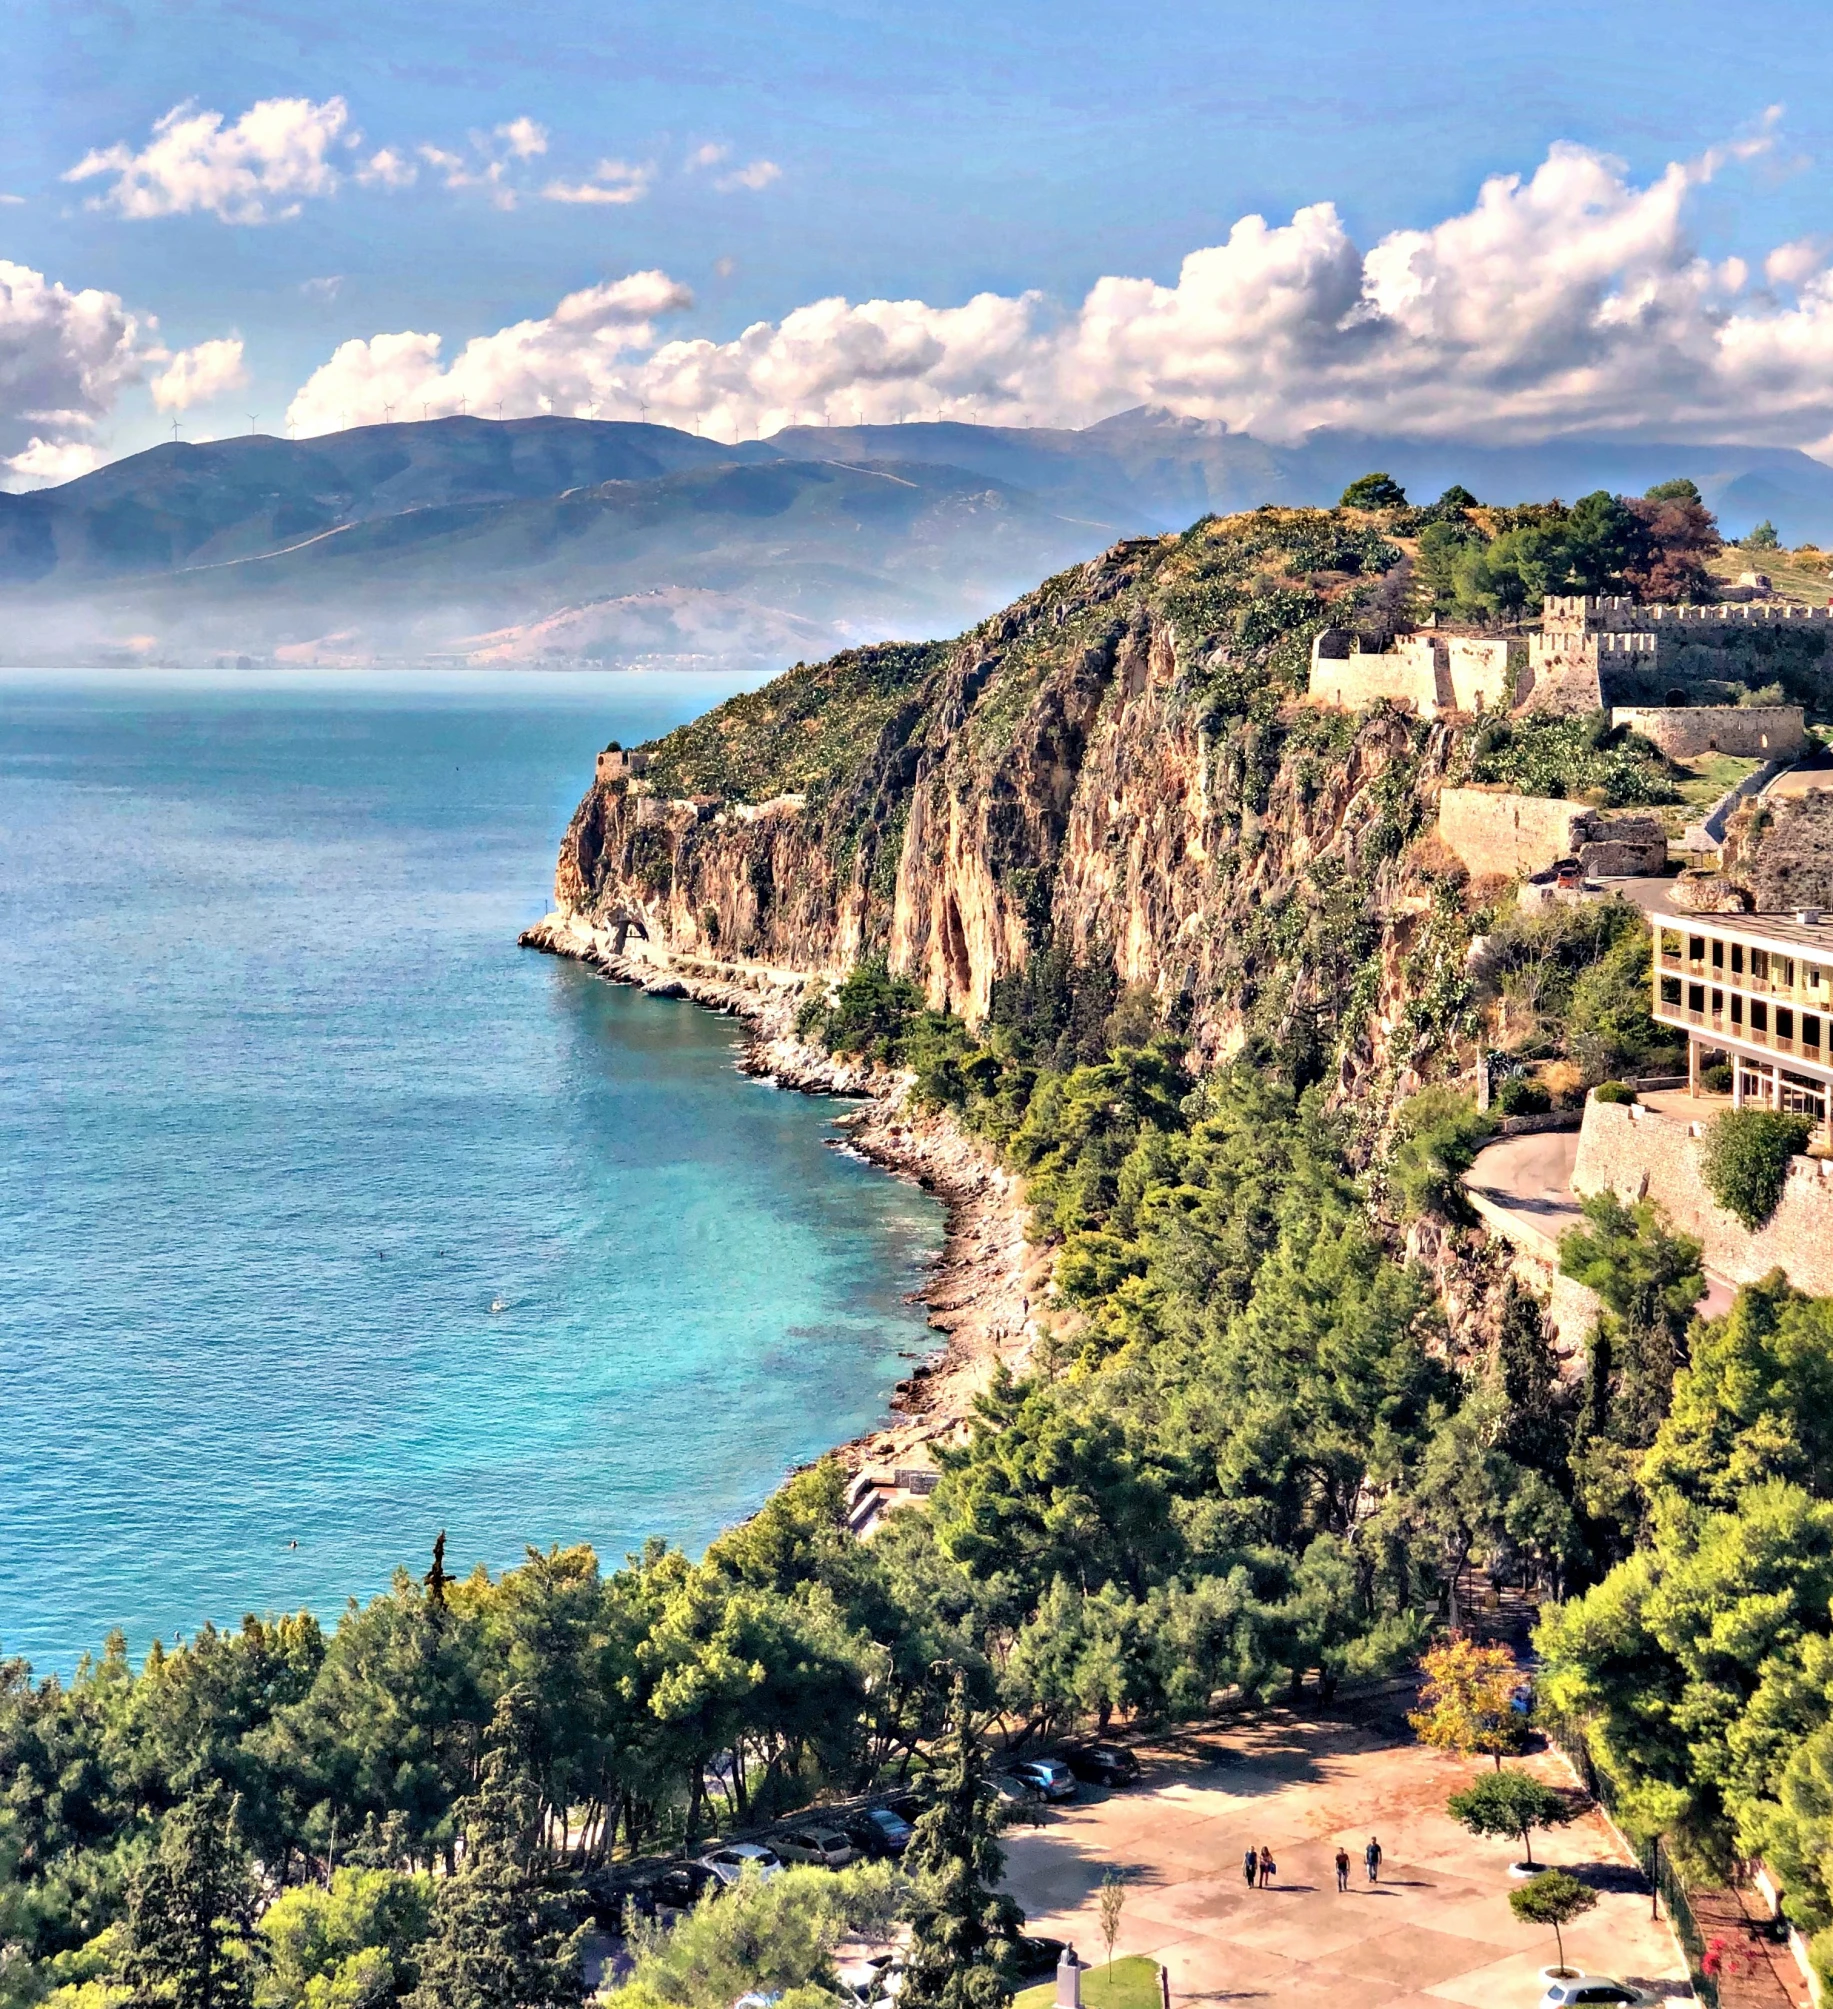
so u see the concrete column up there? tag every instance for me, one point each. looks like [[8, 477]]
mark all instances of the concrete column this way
[[1737, 1083], [1692, 1065], [1069, 1980]]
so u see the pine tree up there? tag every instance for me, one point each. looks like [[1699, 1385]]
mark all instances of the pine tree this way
[[959, 1921], [1535, 1429], [501, 1939], [191, 1910]]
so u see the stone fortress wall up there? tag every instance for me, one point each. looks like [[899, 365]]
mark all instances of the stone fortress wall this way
[[1760, 732], [1611, 650], [1512, 836], [1434, 674]]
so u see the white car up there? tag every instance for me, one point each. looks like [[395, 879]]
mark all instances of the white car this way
[[871, 1984], [1568, 1991], [730, 1863], [824, 1846]]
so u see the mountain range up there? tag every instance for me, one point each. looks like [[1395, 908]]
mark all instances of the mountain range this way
[[564, 541]]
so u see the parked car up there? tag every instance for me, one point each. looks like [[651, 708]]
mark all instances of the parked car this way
[[1035, 1956], [823, 1845], [679, 1887], [879, 1832], [1050, 1776], [871, 1983], [1568, 1990], [1012, 1792], [1104, 1765], [728, 1864]]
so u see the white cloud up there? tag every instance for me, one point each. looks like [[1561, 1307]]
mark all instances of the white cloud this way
[[1790, 264], [387, 167], [195, 376], [46, 463], [255, 171], [325, 289], [758, 174], [12, 201], [64, 357], [709, 155], [611, 181], [569, 361], [525, 138]]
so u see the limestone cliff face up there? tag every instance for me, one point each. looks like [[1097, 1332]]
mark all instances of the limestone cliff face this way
[[1119, 762]]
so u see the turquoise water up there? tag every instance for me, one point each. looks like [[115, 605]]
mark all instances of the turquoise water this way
[[328, 1216]]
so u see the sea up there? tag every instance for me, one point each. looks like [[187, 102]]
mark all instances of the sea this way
[[329, 1218]]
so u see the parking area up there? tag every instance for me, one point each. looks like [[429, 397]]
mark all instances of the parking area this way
[[1436, 1929]]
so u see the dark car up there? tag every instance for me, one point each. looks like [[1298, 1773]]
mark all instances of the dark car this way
[[1104, 1765], [682, 1885], [879, 1831], [1035, 1957]]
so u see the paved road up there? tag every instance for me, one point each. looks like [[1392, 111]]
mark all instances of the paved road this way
[[1529, 1181], [1436, 1929]]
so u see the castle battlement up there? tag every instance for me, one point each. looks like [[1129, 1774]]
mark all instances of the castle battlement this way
[[1613, 614]]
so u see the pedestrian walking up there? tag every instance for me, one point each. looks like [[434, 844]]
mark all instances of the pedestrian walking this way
[[1269, 1869], [1342, 1867], [1371, 1857], [1250, 1867]]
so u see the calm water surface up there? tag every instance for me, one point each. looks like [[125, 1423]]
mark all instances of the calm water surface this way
[[329, 1217]]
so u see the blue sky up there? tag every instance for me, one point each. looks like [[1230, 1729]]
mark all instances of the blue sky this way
[[923, 154]]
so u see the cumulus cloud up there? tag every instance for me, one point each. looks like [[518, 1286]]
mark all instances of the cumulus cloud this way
[[195, 376], [257, 170], [387, 167], [12, 201], [571, 361], [1791, 264], [64, 357], [611, 181], [525, 138]]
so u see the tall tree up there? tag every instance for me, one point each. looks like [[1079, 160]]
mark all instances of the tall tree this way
[[191, 1910], [959, 1922], [501, 1939]]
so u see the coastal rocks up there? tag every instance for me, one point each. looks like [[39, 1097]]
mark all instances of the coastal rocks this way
[[990, 1281]]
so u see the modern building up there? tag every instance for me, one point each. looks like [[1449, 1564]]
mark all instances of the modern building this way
[[1753, 989]]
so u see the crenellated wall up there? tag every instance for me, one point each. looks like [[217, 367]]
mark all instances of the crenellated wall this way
[[1758, 732]]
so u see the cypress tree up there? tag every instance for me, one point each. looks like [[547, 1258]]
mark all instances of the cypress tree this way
[[960, 1923], [191, 1910], [501, 1939]]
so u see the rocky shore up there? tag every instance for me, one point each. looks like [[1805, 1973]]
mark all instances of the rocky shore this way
[[990, 1283]]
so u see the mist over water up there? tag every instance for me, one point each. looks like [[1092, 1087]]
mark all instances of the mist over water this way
[[328, 1216]]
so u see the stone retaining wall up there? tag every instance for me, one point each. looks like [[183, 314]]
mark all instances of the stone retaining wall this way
[[1639, 1153], [1516, 835], [1759, 732]]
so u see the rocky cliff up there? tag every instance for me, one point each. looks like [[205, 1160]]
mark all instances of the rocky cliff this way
[[1123, 762]]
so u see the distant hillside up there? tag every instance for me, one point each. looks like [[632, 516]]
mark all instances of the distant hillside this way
[[560, 540]]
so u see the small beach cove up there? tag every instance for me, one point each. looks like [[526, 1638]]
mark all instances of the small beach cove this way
[[335, 1219]]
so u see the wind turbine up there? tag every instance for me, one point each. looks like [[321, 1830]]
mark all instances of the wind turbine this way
[[252, 417], [174, 432], [462, 411], [499, 410], [388, 414]]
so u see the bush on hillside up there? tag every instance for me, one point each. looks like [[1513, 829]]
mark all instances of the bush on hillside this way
[[1521, 1095], [1439, 1133], [1613, 1091], [1374, 491], [1745, 1160]]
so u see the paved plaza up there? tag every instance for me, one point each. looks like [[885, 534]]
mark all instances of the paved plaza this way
[[1436, 1929]]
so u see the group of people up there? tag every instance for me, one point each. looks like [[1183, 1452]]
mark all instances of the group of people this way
[[1259, 1868]]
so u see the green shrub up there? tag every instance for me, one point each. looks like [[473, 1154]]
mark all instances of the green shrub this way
[[1613, 1091], [1439, 1132], [1745, 1160], [1374, 491], [1522, 1096], [1716, 1079]]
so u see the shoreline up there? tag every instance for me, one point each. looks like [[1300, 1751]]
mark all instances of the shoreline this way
[[989, 1278]]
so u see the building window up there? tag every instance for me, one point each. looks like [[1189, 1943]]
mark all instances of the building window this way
[[1718, 955], [1783, 970], [1759, 964], [1718, 1004], [1810, 1031], [1696, 997], [1696, 948], [1811, 976], [1759, 1016], [1785, 1022], [1670, 991], [1737, 1009], [1737, 959]]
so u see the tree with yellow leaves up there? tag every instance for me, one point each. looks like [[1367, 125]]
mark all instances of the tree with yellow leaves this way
[[1467, 1699]]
